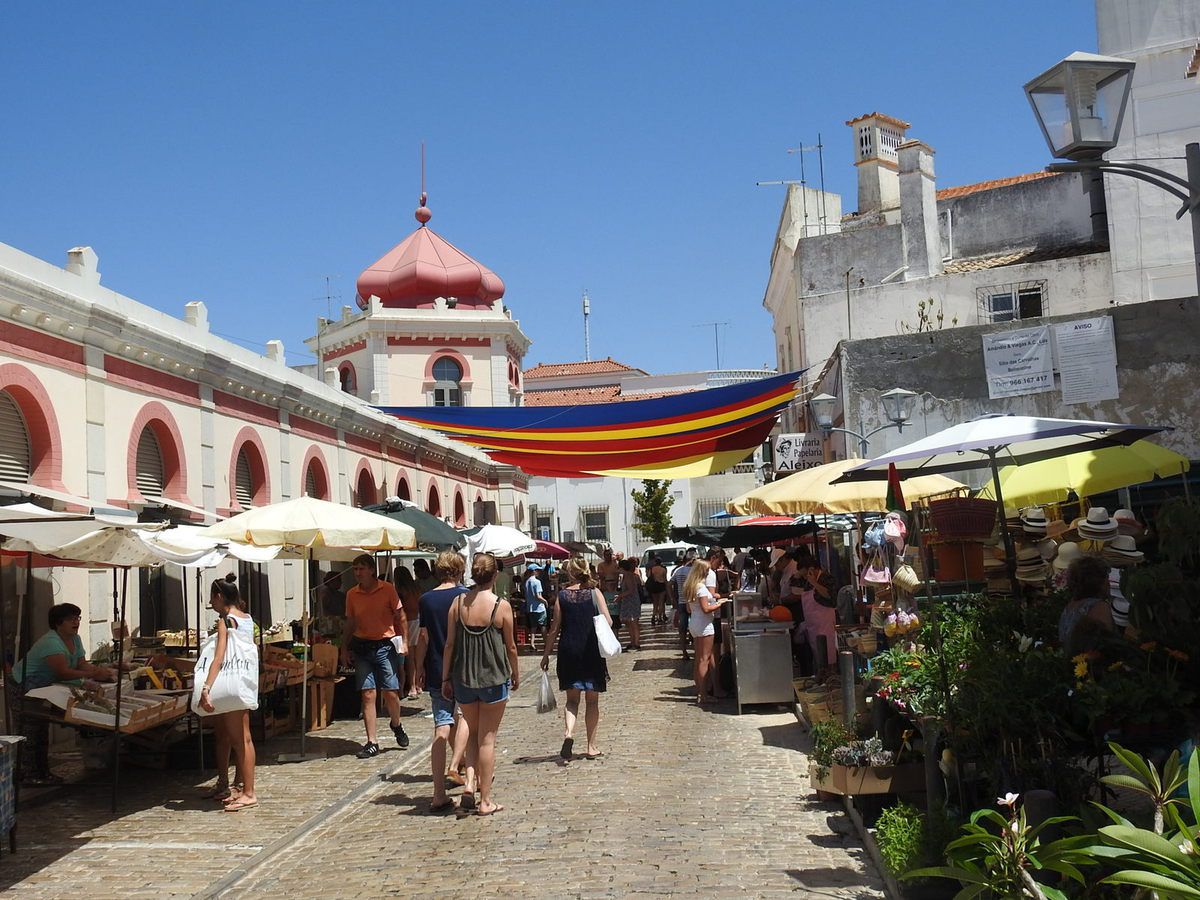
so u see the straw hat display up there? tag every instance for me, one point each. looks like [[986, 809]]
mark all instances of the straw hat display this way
[[1031, 568], [1122, 551], [1117, 600], [1034, 521], [1048, 548], [1098, 526], [1128, 524], [1067, 554]]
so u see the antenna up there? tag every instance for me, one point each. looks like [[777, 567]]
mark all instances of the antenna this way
[[587, 338], [716, 327], [321, 323]]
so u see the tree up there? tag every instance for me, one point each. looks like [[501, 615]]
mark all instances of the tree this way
[[652, 509]]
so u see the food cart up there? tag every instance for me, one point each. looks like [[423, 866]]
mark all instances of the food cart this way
[[762, 652]]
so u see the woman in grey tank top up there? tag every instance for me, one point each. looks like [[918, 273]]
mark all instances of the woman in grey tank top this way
[[479, 667]]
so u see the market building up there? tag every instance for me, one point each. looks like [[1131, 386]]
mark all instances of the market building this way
[[105, 401], [601, 509]]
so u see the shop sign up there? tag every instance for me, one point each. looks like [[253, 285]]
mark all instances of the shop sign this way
[[1018, 362], [1087, 360], [796, 452]]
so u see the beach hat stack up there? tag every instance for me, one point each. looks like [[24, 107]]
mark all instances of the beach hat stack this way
[[1034, 522], [1122, 551], [1031, 567], [1117, 600], [995, 571], [1099, 526]]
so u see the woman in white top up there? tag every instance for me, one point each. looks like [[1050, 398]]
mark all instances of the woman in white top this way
[[701, 605], [232, 728]]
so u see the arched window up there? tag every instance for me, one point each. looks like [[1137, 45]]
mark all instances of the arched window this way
[[447, 378], [460, 510], [402, 490], [243, 488], [366, 488], [16, 454], [150, 474], [347, 378], [434, 506], [316, 485]]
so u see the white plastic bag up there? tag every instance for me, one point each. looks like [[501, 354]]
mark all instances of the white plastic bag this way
[[236, 685], [609, 645], [545, 697]]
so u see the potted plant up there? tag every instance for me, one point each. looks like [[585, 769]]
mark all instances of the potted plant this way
[[864, 767], [827, 736], [909, 839]]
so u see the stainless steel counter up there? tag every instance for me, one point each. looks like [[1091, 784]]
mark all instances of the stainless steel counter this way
[[762, 662]]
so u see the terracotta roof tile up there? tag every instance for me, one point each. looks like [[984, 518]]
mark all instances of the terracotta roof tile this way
[[591, 367], [610, 393], [1020, 257], [899, 123], [951, 193]]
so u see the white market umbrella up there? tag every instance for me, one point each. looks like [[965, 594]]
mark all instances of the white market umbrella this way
[[500, 541], [990, 442], [313, 524]]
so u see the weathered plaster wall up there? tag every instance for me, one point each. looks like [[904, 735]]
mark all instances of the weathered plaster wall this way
[[1158, 371], [1049, 212]]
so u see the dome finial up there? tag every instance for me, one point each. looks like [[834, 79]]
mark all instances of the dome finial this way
[[423, 214]]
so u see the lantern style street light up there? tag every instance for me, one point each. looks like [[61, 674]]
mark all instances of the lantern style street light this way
[[1080, 105], [897, 406]]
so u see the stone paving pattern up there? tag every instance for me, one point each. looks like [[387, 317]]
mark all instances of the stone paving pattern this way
[[684, 801]]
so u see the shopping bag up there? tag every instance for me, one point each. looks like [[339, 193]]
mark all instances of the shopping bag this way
[[236, 685], [545, 697], [609, 645]]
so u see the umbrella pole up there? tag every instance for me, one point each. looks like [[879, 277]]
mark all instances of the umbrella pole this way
[[119, 648], [1187, 491], [4, 656], [302, 756], [1010, 557]]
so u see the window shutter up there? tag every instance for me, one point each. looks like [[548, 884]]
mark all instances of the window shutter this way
[[310, 481], [15, 455], [243, 487], [149, 466]]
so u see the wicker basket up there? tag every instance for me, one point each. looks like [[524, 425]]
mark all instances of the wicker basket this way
[[963, 518]]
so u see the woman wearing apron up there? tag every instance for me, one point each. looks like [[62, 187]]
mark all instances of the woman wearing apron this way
[[819, 601]]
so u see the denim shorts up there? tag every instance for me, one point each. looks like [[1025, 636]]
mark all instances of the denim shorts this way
[[494, 694], [538, 619], [443, 709], [378, 668], [588, 685]]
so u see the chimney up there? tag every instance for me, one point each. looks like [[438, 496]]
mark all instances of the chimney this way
[[195, 314], [331, 378], [876, 138], [275, 351], [82, 261], [918, 210]]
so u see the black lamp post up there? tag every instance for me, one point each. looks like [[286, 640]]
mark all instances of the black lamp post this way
[[1080, 104]]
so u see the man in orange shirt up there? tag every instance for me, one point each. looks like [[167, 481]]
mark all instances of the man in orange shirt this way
[[373, 611]]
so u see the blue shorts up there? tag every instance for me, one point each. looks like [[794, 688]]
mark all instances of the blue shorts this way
[[494, 694], [378, 668], [588, 685], [538, 619], [443, 709]]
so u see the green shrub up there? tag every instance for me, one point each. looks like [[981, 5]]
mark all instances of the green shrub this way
[[900, 834]]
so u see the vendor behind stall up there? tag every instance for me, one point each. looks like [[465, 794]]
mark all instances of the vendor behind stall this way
[[56, 657]]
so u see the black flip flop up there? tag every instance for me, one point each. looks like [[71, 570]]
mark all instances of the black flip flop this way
[[567, 745]]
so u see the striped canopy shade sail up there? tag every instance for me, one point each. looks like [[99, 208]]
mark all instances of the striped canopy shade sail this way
[[679, 436]]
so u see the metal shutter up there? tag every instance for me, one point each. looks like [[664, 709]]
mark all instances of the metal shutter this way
[[149, 476], [310, 482], [15, 454], [243, 488]]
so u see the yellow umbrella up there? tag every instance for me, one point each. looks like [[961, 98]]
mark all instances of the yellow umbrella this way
[[1087, 473], [810, 492]]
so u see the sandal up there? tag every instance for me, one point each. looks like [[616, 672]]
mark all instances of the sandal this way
[[495, 809], [440, 807], [216, 792], [567, 745], [239, 804], [467, 802]]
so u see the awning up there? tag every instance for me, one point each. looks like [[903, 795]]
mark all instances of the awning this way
[[175, 504], [100, 510]]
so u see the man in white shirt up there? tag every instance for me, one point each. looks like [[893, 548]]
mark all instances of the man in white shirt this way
[[678, 577]]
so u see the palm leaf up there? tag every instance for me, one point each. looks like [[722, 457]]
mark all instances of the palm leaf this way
[[1154, 882], [947, 872], [1135, 763], [1193, 782], [1150, 844], [1126, 781]]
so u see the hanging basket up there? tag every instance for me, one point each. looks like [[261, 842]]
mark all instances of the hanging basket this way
[[963, 518]]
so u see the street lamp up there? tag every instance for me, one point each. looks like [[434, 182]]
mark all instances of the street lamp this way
[[1080, 104], [897, 406]]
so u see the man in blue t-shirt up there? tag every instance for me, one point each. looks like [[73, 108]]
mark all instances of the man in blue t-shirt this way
[[535, 602], [431, 643]]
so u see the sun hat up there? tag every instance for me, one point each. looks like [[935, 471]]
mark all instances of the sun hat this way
[[1030, 565], [1048, 548], [1033, 520], [1098, 526], [1127, 522], [1067, 554], [1122, 550], [1117, 601]]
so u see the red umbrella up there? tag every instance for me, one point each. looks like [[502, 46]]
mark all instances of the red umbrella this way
[[770, 520], [548, 550]]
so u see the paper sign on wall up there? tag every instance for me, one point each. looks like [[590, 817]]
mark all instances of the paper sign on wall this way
[[1018, 362], [1087, 360], [796, 452]]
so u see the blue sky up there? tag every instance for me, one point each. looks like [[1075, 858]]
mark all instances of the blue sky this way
[[239, 153]]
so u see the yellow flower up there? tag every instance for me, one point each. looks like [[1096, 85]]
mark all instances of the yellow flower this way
[[1081, 667]]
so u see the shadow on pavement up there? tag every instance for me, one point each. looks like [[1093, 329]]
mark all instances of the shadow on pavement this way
[[786, 737], [829, 877]]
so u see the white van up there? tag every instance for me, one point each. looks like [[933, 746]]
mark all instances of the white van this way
[[670, 555]]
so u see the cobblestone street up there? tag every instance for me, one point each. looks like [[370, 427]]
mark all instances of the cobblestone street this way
[[683, 801]]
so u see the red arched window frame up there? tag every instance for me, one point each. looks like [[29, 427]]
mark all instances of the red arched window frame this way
[[45, 442], [256, 456]]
